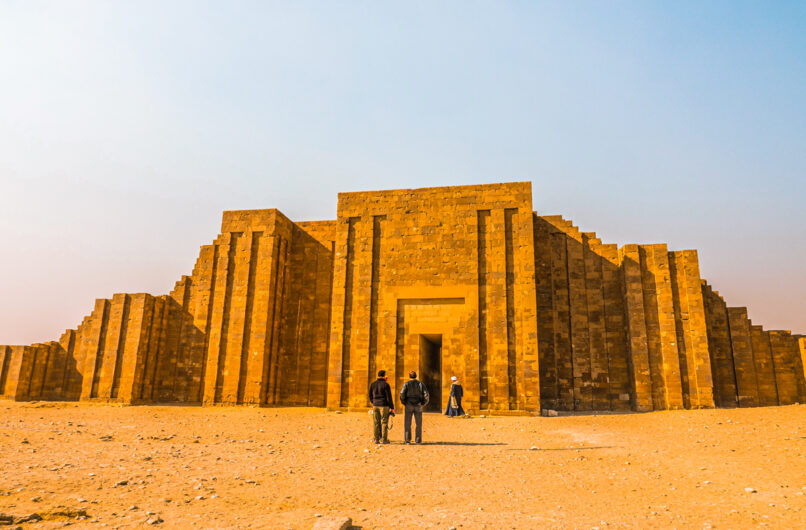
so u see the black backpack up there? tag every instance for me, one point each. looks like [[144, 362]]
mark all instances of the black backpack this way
[[415, 393]]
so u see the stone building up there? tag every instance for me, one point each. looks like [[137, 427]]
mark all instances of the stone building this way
[[526, 310]]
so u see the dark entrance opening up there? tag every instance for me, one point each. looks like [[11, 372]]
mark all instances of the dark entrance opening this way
[[431, 370]]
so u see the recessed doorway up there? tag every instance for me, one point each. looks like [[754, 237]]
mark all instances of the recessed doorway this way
[[431, 370]]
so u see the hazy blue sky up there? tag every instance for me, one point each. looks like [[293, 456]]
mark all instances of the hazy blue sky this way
[[126, 128]]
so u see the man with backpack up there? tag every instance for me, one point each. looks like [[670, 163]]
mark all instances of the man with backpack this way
[[414, 397]]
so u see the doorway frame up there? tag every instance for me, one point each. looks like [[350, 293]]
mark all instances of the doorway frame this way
[[430, 345]]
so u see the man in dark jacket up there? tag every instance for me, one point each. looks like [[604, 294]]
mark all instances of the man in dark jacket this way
[[414, 396], [380, 395]]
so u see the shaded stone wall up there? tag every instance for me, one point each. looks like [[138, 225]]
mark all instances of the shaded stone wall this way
[[249, 325], [104, 359], [526, 310], [619, 329], [751, 366]]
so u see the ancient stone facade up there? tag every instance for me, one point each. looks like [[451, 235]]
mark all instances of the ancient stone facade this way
[[526, 310]]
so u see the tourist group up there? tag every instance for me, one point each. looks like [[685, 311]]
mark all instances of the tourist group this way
[[414, 396]]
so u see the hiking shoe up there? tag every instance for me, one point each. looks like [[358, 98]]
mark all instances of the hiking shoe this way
[[386, 441]]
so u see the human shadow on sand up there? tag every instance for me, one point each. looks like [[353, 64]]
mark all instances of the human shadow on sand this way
[[456, 443], [564, 448]]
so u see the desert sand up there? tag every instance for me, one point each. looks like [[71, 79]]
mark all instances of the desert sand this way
[[228, 467]]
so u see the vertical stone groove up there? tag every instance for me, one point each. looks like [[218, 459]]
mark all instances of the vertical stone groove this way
[[181, 346], [69, 354], [124, 326], [4, 362], [329, 312], [270, 328], [348, 313], [510, 305], [373, 296], [278, 332], [139, 393], [774, 369], [250, 297], [400, 334], [225, 319], [483, 217], [314, 322], [207, 324], [574, 393], [45, 367], [99, 357]]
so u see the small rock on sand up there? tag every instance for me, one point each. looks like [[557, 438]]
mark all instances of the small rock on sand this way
[[31, 518]]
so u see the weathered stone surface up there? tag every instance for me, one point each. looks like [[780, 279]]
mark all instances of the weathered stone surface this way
[[526, 310]]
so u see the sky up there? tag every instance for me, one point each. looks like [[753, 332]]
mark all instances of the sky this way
[[126, 128]]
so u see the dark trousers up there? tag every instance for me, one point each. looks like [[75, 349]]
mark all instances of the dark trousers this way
[[417, 412]]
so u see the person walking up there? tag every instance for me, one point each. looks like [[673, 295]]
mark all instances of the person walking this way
[[455, 402], [414, 397], [380, 395]]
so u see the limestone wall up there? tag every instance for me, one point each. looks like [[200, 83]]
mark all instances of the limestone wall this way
[[457, 263], [249, 325], [103, 359], [526, 310], [619, 329], [751, 366]]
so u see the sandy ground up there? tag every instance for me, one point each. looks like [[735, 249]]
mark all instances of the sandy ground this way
[[280, 468]]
